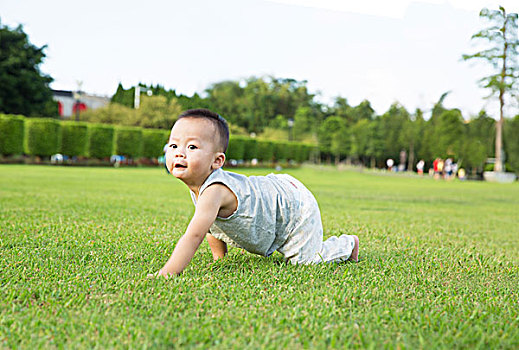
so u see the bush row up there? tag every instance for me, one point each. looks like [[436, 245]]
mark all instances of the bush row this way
[[44, 137], [245, 148]]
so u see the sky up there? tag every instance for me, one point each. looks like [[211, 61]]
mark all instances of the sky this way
[[383, 51]]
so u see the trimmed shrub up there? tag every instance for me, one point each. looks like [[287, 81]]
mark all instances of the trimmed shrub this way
[[153, 141], [281, 151], [11, 134], [42, 136], [128, 141], [302, 152], [74, 138], [250, 149], [265, 151], [100, 140], [236, 149]]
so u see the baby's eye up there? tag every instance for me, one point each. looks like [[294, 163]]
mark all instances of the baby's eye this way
[[173, 145], [192, 147]]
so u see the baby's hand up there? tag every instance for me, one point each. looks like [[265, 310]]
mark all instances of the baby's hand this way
[[156, 274], [159, 274]]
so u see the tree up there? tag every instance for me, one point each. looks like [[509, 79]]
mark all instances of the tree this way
[[392, 123], [23, 88], [112, 113], [157, 112], [478, 144], [511, 129], [501, 36], [448, 134]]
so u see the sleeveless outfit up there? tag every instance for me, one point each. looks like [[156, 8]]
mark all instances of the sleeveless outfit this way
[[275, 212]]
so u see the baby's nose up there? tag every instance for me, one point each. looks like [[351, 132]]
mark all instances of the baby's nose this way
[[178, 152]]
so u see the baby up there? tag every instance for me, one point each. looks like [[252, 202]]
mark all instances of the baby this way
[[260, 214]]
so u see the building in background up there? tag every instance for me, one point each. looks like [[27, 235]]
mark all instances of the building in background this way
[[68, 103]]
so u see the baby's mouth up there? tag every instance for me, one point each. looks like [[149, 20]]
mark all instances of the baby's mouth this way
[[180, 166]]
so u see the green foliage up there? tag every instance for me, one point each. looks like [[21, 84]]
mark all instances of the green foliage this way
[[11, 134], [236, 148], [511, 131], [265, 150], [157, 112], [335, 136], [128, 141], [74, 138], [153, 142], [154, 112], [112, 113], [250, 148], [42, 136], [255, 102], [124, 97], [24, 89], [501, 52], [304, 122], [282, 151], [391, 125], [301, 152], [478, 142], [100, 140], [501, 38], [448, 134]]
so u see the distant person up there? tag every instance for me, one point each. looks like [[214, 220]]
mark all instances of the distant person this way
[[403, 160], [454, 170], [419, 167], [448, 168], [441, 164], [462, 174], [435, 168], [260, 214], [390, 162]]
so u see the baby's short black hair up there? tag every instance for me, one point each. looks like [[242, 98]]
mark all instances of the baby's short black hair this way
[[219, 122]]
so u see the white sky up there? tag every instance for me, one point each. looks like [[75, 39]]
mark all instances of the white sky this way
[[383, 51]]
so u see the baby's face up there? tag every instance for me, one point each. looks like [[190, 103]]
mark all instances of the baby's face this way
[[192, 150]]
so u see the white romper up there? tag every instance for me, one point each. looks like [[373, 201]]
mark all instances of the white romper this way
[[276, 212]]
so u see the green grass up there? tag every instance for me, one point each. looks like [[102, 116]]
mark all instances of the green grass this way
[[439, 268]]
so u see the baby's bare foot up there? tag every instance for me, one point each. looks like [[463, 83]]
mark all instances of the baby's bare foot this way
[[355, 253]]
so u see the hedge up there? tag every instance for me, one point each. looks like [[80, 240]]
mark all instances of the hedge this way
[[236, 149], [265, 150], [128, 141], [250, 149], [281, 151], [100, 140], [74, 138], [153, 141], [42, 136], [11, 134]]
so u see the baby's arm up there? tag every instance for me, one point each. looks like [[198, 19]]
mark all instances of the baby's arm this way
[[207, 208], [218, 247]]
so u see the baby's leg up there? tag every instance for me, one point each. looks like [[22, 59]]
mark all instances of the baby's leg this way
[[355, 253], [340, 248]]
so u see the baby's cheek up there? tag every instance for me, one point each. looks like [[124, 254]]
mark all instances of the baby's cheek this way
[[169, 157]]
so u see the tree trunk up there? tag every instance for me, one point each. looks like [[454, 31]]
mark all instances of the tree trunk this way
[[498, 166]]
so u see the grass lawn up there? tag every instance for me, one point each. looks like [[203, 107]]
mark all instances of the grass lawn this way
[[439, 268]]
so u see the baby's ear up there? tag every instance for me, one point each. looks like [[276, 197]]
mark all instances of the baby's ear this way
[[219, 160]]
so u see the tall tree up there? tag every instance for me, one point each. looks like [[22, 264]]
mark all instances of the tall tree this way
[[511, 130], [502, 41], [479, 142], [24, 89]]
